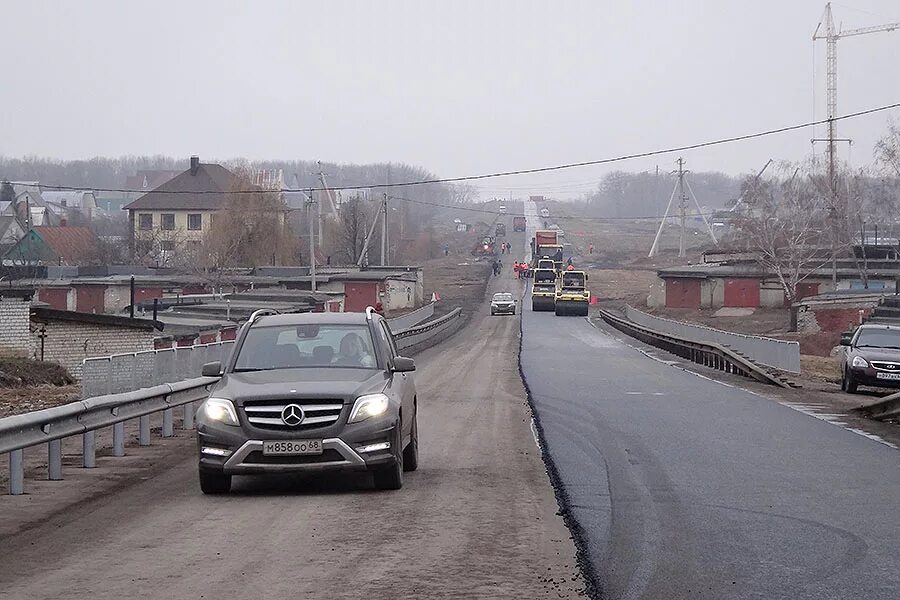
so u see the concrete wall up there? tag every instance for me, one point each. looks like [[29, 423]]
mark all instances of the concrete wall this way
[[70, 342], [15, 332], [399, 294]]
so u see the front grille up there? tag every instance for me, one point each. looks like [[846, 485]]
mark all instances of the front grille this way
[[258, 458], [266, 414], [887, 366]]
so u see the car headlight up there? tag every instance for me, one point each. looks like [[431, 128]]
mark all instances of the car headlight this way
[[370, 405], [859, 361], [221, 410]]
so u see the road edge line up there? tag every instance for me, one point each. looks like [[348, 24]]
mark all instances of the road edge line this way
[[591, 579]]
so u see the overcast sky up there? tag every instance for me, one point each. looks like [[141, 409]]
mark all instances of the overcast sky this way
[[459, 87]]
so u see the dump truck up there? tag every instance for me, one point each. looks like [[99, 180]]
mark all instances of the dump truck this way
[[572, 295], [543, 291], [546, 244], [518, 223], [500, 230]]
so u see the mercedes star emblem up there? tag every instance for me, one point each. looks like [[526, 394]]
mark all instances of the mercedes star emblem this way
[[292, 415]]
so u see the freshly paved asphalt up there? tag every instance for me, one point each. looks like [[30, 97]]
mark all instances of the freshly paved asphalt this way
[[682, 487]]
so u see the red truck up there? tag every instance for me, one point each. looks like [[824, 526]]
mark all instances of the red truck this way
[[546, 243], [518, 223]]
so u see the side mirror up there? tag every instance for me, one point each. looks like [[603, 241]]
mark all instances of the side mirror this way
[[403, 364], [212, 369], [846, 338]]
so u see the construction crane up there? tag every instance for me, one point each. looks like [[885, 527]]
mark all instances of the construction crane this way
[[831, 35]]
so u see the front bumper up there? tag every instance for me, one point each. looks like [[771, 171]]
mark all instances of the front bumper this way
[[503, 310], [869, 377], [238, 453]]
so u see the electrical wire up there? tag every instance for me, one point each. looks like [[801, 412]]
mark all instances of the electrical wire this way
[[602, 161], [509, 214]]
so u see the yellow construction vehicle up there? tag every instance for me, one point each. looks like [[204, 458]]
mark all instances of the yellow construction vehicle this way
[[572, 295], [543, 291]]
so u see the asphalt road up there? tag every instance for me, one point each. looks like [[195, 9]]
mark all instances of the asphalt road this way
[[477, 520], [682, 487]]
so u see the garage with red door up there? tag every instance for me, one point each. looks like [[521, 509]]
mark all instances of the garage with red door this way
[[89, 298], [358, 295], [742, 293], [682, 293], [57, 298]]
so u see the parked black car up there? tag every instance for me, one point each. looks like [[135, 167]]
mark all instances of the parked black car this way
[[871, 357], [310, 392]]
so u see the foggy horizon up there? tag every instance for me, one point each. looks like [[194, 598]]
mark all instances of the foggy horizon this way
[[458, 89]]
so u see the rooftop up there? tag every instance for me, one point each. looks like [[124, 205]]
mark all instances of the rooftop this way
[[204, 187]]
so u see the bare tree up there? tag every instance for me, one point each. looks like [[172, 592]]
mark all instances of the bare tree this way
[[782, 226]]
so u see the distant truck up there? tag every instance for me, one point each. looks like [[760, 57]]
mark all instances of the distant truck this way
[[518, 223], [546, 243], [500, 230], [545, 213]]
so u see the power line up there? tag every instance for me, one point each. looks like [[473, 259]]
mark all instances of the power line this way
[[602, 161], [509, 214]]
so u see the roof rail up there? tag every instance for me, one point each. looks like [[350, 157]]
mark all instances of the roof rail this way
[[260, 313]]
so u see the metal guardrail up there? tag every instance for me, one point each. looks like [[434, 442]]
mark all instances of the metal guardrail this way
[[421, 333], [115, 406], [778, 354], [885, 409], [403, 322], [709, 354], [85, 417]]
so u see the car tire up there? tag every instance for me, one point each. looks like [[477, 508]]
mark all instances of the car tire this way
[[214, 482], [493, 313], [848, 384], [390, 477], [411, 452]]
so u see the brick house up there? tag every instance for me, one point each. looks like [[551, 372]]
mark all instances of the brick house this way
[[179, 212]]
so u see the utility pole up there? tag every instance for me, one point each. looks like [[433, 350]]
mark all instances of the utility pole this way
[[384, 229], [682, 207], [312, 241], [656, 192]]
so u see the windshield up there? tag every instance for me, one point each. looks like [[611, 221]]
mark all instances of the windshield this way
[[319, 346], [573, 280], [878, 338], [503, 297]]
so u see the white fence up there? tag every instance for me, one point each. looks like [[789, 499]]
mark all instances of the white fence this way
[[404, 322], [120, 373], [779, 354]]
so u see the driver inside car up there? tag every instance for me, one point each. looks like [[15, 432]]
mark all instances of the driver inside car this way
[[353, 352]]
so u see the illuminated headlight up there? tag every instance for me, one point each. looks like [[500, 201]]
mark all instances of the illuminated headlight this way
[[370, 405], [859, 361], [213, 451], [375, 447], [221, 410]]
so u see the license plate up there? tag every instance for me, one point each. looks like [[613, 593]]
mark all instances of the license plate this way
[[292, 447], [895, 376]]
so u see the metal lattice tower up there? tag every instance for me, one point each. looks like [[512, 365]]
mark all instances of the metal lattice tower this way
[[827, 31]]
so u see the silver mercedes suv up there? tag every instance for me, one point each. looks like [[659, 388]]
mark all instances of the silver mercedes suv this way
[[310, 392]]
